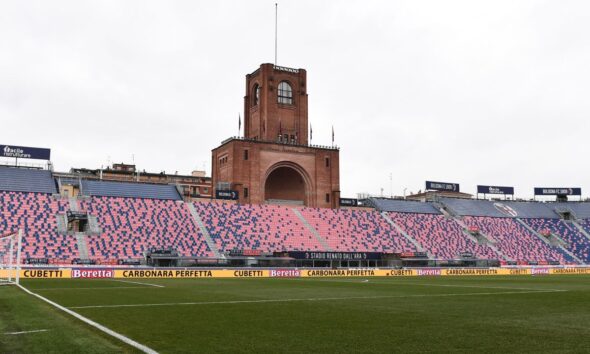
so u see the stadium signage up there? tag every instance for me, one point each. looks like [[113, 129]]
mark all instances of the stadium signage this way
[[249, 273], [337, 256], [341, 273], [37, 261], [540, 271], [558, 191], [25, 152], [92, 273], [83, 261], [495, 190], [128, 262], [468, 271], [429, 272], [43, 273], [349, 202], [442, 186], [245, 253], [401, 273], [571, 271], [284, 273], [229, 195], [413, 255], [158, 273]]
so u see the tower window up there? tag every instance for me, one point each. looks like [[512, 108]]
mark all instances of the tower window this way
[[285, 93], [256, 94], [327, 162], [327, 197], [245, 192], [245, 154]]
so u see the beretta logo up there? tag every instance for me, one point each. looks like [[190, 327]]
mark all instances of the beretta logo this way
[[92, 273], [285, 273]]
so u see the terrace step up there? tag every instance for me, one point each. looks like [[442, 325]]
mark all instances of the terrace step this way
[[580, 228], [73, 201], [403, 233], [208, 239], [553, 240], [313, 231], [62, 223], [483, 239], [82, 245]]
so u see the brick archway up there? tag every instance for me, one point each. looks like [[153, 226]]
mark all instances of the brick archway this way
[[287, 181]]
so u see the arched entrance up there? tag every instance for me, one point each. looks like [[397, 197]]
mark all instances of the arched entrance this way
[[286, 184]]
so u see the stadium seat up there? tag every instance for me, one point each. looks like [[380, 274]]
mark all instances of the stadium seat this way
[[443, 238], [131, 226], [515, 241]]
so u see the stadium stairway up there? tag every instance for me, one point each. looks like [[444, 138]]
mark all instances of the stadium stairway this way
[[208, 240], [580, 228], [313, 231], [82, 245], [403, 233], [73, 202], [482, 240], [560, 244]]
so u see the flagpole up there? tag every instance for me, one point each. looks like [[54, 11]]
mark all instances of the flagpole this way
[[276, 30]]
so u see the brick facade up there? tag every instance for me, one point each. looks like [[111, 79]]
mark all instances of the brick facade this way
[[274, 160]]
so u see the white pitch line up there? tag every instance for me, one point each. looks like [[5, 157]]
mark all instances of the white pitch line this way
[[96, 325], [311, 299], [421, 284], [95, 288], [27, 332], [138, 282]]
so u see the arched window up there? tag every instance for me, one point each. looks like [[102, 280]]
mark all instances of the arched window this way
[[256, 95], [285, 93]]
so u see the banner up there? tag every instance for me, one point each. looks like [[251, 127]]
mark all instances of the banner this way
[[558, 191], [190, 273], [105, 273], [442, 186], [228, 194], [349, 202], [335, 256], [495, 190], [24, 152]]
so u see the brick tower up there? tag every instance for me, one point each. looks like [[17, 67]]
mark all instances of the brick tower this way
[[273, 162]]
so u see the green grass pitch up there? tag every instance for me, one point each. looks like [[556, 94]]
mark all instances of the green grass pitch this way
[[514, 314]]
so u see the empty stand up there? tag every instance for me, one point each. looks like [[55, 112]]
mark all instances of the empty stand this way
[[35, 213], [577, 243], [129, 190], [131, 226], [442, 237], [26, 180], [515, 241], [356, 230], [404, 206], [267, 228]]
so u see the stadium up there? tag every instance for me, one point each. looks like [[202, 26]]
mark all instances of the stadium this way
[[266, 255]]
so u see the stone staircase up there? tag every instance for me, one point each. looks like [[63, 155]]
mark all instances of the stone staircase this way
[[212, 245], [313, 231], [580, 228], [82, 245], [403, 233], [553, 240]]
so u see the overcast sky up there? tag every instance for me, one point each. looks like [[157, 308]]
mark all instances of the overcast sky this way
[[473, 92]]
